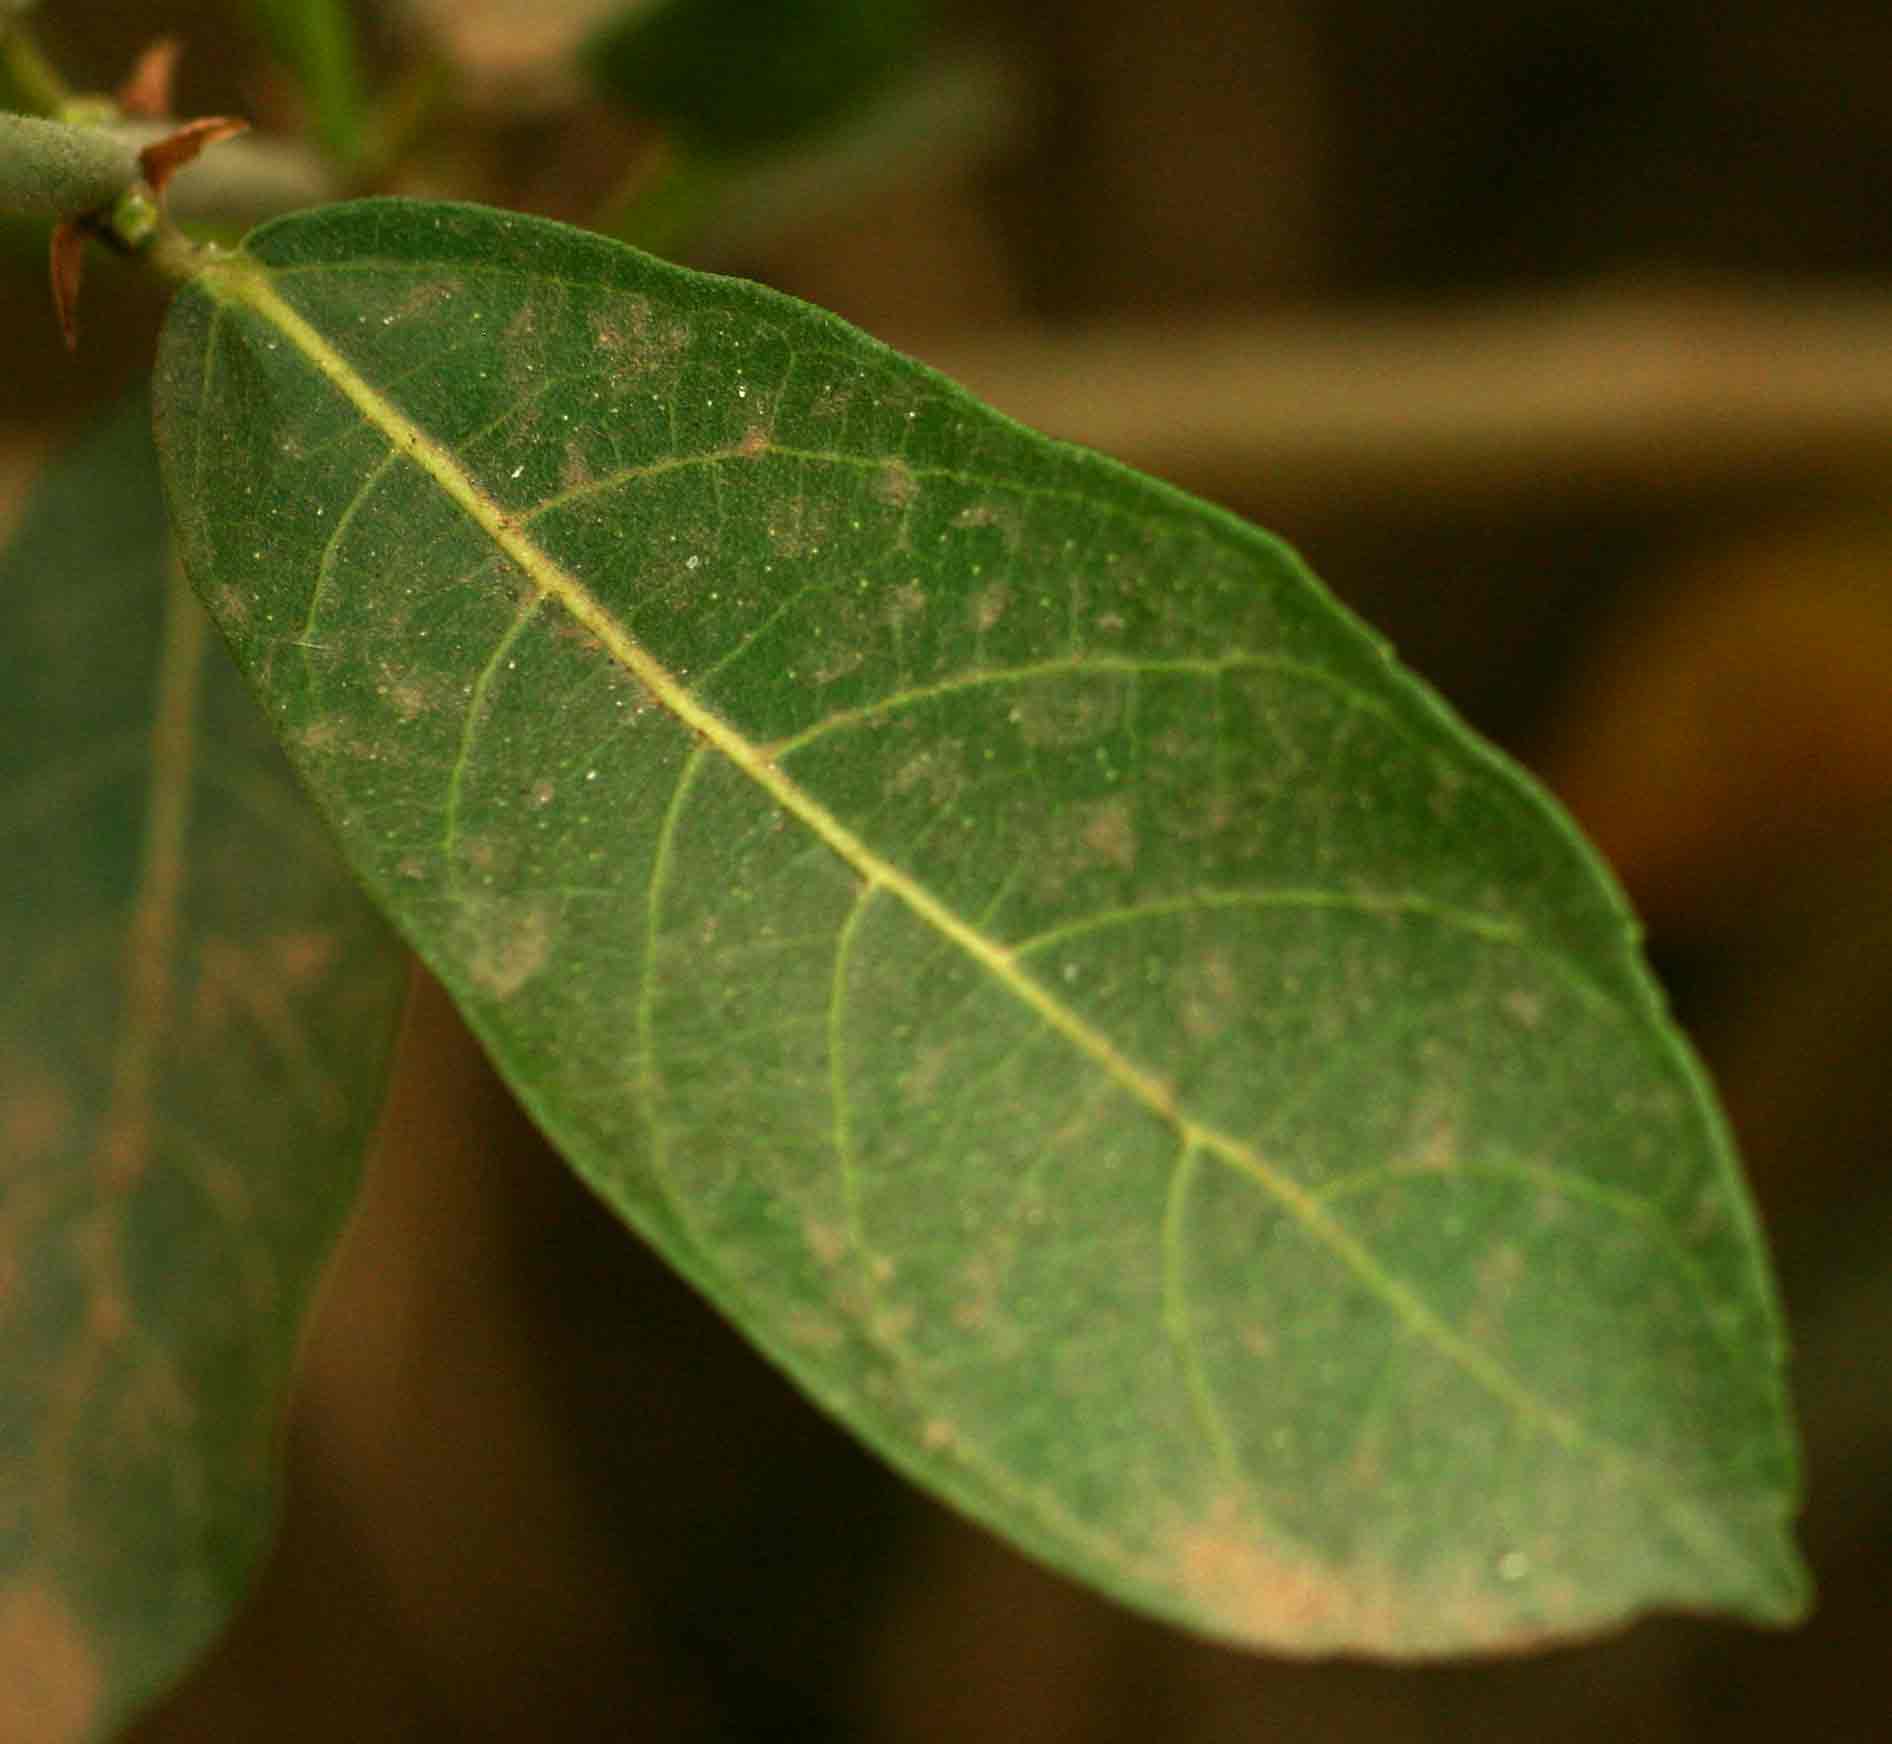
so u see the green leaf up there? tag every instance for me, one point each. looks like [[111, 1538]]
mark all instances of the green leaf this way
[[315, 39], [1004, 932], [196, 1010], [731, 77]]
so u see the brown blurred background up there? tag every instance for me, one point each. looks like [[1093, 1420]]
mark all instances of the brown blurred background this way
[[1559, 337]]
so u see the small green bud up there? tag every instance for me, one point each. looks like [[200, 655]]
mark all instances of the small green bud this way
[[134, 216]]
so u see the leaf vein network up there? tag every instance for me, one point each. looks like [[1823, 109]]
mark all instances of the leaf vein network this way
[[244, 280], [471, 719], [1080, 664]]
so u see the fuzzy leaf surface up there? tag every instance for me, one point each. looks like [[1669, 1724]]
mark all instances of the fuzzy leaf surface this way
[[197, 1006], [999, 928]]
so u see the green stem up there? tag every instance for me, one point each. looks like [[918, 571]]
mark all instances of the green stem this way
[[176, 256], [49, 169]]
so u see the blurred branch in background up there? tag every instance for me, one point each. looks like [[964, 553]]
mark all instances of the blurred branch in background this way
[[1505, 408]]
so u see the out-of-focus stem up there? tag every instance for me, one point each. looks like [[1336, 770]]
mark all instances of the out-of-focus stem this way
[[1616, 393]]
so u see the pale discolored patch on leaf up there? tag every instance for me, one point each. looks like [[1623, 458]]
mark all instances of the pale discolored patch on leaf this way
[[52, 1686], [508, 942]]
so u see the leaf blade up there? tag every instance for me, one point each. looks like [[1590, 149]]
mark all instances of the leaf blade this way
[[189, 971], [898, 710]]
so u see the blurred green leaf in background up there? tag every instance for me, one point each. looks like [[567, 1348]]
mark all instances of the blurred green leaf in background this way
[[197, 1008], [315, 40], [733, 77]]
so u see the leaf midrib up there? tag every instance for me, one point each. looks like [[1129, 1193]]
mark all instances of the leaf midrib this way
[[240, 280], [149, 961]]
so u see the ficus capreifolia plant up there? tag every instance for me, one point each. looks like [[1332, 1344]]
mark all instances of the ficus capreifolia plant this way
[[990, 921]]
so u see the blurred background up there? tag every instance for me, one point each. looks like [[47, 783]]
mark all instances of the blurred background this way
[[1559, 337]]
